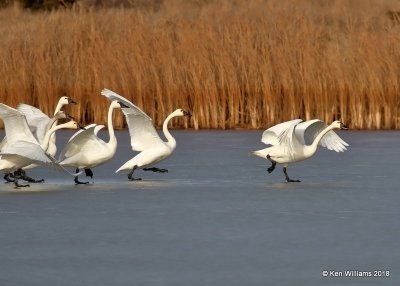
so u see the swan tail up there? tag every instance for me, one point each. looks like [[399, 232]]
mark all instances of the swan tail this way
[[260, 153]]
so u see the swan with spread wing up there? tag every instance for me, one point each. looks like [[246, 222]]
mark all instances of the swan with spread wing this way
[[85, 150], [295, 140], [144, 137], [22, 148]]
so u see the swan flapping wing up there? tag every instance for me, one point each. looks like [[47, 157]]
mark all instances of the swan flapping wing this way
[[141, 128], [15, 125], [37, 121], [84, 142], [270, 136], [29, 150], [287, 141], [307, 131]]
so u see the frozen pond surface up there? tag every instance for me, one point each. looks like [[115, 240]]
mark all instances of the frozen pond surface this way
[[217, 218]]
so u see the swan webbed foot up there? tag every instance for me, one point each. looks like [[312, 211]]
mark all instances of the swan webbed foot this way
[[31, 180], [154, 169], [7, 178], [77, 182], [134, 179], [21, 174], [17, 186], [287, 177]]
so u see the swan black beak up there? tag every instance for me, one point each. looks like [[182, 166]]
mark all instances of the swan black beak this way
[[81, 127], [342, 126], [123, 105], [187, 113], [70, 101]]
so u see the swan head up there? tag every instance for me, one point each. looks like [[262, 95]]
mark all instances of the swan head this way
[[65, 100], [72, 125], [337, 124], [118, 104], [181, 112], [63, 115]]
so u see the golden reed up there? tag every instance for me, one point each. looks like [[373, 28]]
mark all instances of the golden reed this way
[[234, 64]]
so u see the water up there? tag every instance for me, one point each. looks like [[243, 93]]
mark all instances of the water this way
[[217, 218]]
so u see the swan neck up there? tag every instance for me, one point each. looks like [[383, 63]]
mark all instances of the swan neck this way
[[58, 108], [317, 139], [46, 140], [52, 122], [170, 140], [110, 124]]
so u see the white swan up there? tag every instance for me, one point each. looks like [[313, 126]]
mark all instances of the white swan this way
[[85, 150], [144, 137], [40, 123], [22, 149], [59, 115], [295, 140]]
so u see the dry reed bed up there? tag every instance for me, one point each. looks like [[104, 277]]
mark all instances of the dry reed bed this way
[[234, 64]]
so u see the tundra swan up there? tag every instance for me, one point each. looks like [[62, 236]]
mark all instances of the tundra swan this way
[[295, 140], [86, 150], [144, 137], [22, 148], [59, 115]]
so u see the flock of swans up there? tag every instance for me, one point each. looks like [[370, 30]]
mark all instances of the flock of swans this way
[[30, 141]]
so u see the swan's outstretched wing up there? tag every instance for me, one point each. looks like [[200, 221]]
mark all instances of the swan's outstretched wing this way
[[15, 125], [307, 131], [37, 120], [83, 142], [270, 136], [29, 150], [81, 130], [143, 134], [287, 140], [34, 153]]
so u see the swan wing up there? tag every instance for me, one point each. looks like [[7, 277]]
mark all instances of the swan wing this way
[[55, 165], [34, 153], [287, 140], [38, 122], [270, 136], [83, 141], [306, 133], [82, 130], [29, 150], [141, 128], [15, 125]]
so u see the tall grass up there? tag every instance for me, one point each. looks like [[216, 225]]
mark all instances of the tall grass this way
[[234, 64]]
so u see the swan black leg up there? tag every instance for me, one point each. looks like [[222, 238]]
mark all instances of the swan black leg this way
[[27, 178], [17, 176], [130, 178], [7, 178], [77, 182], [287, 177], [89, 173], [270, 169], [154, 169]]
